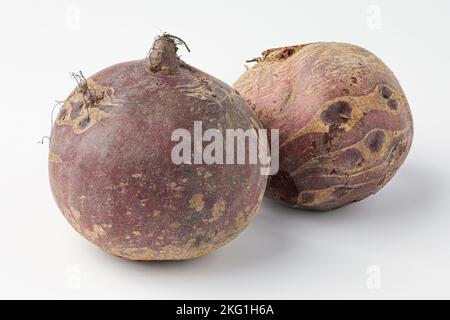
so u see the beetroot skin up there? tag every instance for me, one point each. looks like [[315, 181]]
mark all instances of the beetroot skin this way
[[345, 124], [110, 163]]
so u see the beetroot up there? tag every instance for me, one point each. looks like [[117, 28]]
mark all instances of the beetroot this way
[[345, 124], [110, 163]]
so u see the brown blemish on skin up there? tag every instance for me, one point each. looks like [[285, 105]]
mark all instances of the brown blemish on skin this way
[[251, 216], [53, 157], [176, 188], [307, 197], [175, 225], [76, 214], [170, 252], [210, 187], [388, 152], [349, 159], [319, 197], [84, 122], [385, 92], [197, 202], [76, 105], [73, 217], [280, 54], [240, 220], [228, 120], [360, 146], [375, 140], [80, 110], [393, 104], [199, 88], [217, 210], [360, 106], [200, 245], [337, 113], [156, 213], [63, 113], [203, 172], [96, 232]]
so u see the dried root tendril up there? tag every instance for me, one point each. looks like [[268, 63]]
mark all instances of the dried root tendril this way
[[42, 141], [254, 60], [178, 41], [89, 94]]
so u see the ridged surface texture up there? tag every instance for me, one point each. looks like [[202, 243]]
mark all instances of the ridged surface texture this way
[[345, 123]]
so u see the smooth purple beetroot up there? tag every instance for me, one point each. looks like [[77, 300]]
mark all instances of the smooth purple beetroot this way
[[345, 124], [110, 163]]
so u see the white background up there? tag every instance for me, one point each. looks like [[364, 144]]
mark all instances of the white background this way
[[393, 245]]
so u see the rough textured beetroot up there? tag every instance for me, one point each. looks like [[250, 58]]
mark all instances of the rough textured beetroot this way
[[110, 160], [345, 124]]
